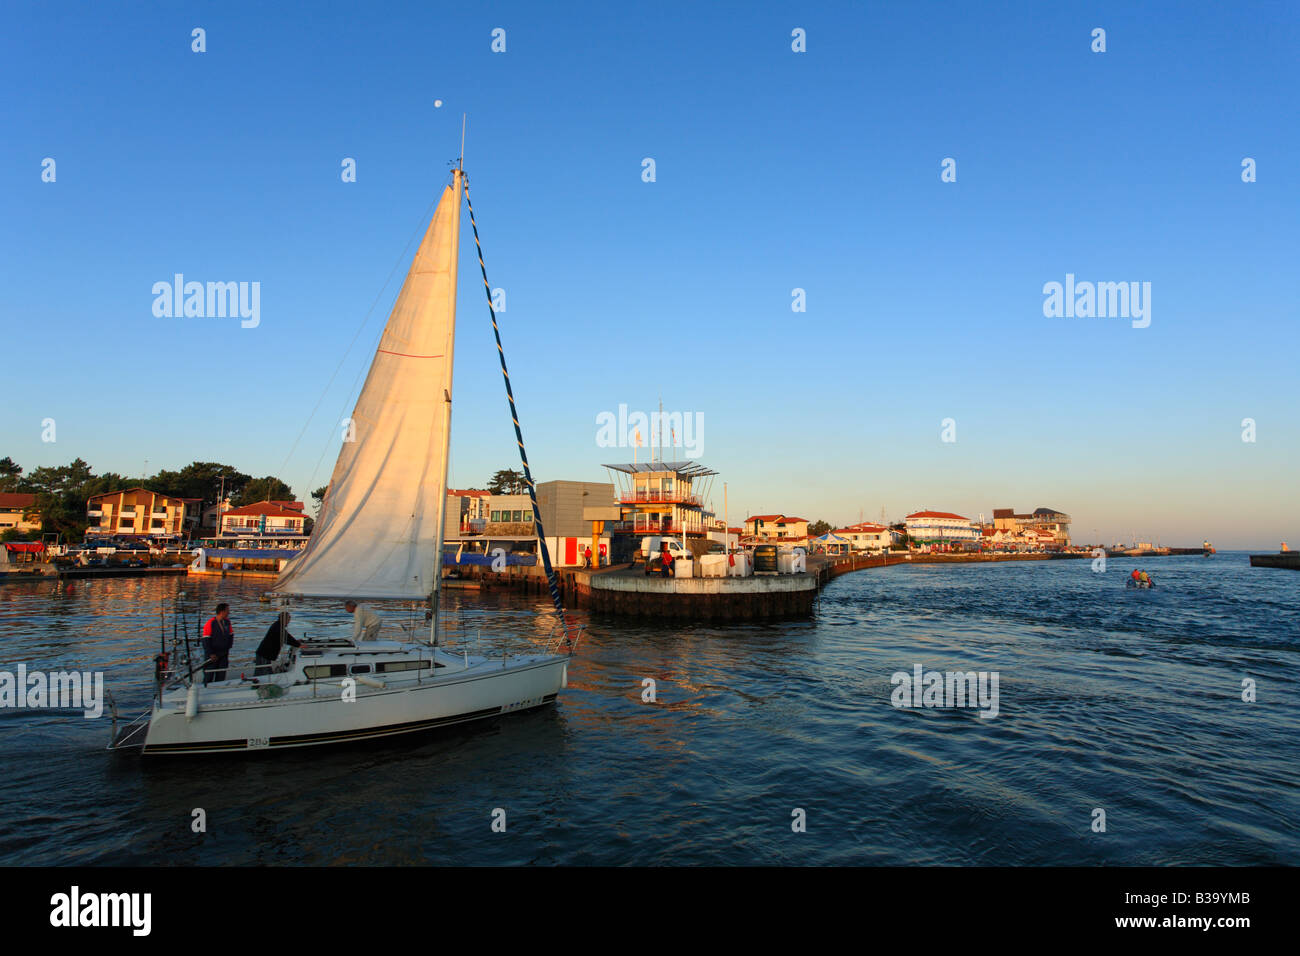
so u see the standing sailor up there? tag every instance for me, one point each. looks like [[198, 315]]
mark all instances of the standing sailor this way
[[218, 638]]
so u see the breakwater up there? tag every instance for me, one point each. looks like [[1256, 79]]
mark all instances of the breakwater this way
[[627, 591]]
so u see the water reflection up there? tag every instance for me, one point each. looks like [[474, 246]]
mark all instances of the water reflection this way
[[1124, 700]]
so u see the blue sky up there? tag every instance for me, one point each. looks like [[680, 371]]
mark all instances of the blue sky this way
[[775, 170]]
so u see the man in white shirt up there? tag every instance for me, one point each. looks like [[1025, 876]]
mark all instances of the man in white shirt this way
[[365, 622]]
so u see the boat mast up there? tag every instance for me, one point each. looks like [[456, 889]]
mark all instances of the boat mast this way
[[458, 177]]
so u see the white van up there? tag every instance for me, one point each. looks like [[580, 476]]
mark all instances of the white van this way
[[651, 546]]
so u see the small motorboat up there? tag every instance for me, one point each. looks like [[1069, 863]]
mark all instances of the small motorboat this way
[[1136, 583]]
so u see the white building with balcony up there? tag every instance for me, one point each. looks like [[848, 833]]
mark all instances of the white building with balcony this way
[[942, 529]]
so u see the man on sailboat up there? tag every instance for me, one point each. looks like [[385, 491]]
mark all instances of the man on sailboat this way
[[365, 622], [268, 652], [218, 638]]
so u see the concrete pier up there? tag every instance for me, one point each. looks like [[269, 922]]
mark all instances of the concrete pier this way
[[631, 593], [1284, 559]]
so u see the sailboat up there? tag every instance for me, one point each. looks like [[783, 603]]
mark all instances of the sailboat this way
[[379, 537]]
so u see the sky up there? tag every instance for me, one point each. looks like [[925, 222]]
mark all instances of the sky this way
[[774, 171]]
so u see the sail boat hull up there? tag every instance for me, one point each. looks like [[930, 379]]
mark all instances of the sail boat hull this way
[[234, 716]]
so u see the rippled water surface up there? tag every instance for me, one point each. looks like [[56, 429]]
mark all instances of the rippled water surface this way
[[1127, 701]]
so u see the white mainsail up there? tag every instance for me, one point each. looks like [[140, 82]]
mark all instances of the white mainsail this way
[[379, 531]]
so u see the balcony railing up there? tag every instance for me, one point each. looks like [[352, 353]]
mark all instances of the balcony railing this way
[[659, 497], [650, 524]]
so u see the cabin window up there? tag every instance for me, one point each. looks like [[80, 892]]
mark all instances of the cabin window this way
[[390, 667], [319, 671], [528, 517], [361, 668]]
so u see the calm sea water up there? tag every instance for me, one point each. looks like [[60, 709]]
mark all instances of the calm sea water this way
[[1128, 701]]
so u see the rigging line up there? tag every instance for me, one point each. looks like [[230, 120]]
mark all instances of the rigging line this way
[[348, 351], [349, 398], [519, 435]]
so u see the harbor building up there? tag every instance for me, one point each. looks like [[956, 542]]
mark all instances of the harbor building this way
[[265, 519], [571, 514], [942, 529], [866, 536], [141, 513], [509, 516], [574, 515], [18, 511], [467, 511], [777, 529], [1057, 523], [663, 498], [256, 540]]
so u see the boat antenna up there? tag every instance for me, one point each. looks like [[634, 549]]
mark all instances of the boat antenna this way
[[460, 163]]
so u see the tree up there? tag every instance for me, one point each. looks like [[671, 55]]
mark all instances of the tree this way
[[819, 528], [199, 479], [318, 496], [507, 482], [10, 474], [61, 494], [263, 489]]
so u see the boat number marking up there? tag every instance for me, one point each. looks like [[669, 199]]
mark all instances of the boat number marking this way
[[254, 742], [521, 704]]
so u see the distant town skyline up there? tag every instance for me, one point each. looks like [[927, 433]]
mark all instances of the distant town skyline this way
[[930, 366]]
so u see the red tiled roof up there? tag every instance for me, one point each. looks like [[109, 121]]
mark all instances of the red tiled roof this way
[[291, 505], [468, 493], [937, 514], [763, 518], [788, 520], [268, 508], [16, 499]]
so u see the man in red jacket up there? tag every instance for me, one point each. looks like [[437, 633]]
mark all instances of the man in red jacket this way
[[218, 638]]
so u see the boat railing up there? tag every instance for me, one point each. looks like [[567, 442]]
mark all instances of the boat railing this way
[[564, 637], [132, 734]]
